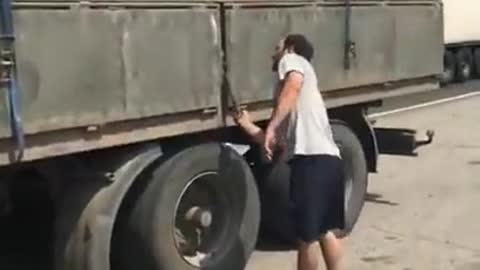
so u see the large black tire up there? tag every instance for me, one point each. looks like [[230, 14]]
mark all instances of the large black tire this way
[[277, 224], [449, 68], [464, 67], [356, 174], [144, 238], [275, 187], [476, 59]]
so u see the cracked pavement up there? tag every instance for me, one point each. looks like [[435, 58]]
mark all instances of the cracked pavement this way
[[421, 212]]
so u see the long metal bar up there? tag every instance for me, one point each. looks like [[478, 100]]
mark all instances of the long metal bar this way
[[8, 63]]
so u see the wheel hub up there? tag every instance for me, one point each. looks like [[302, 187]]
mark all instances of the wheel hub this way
[[201, 217], [200, 220]]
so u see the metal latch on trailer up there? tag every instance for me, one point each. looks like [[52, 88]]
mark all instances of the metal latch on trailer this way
[[350, 51]]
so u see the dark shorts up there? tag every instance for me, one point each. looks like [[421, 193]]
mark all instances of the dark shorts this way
[[317, 195]]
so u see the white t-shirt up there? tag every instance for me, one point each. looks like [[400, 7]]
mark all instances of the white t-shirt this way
[[306, 131]]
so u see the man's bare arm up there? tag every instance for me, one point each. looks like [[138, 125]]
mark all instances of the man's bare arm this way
[[287, 99], [255, 132]]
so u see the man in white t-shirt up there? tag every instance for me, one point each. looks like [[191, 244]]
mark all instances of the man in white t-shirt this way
[[299, 133]]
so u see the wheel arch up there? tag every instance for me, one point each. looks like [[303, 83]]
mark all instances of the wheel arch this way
[[88, 245]]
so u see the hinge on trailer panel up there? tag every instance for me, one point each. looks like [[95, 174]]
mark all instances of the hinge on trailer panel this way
[[7, 63], [80, 5], [211, 110], [6, 59], [83, 3]]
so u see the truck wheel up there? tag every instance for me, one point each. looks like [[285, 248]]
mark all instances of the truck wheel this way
[[275, 187], [476, 57], [355, 171], [449, 68], [277, 225], [198, 209], [464, 61]]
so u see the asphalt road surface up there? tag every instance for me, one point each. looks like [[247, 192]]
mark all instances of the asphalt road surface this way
[[422, 212]]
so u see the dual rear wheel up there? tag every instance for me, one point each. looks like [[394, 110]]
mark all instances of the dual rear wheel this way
[[196, 209], [461, 65]]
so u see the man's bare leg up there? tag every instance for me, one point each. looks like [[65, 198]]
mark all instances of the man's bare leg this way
[[332, 251], [308, 256]]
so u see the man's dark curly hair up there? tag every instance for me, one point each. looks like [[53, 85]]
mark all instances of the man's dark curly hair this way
[[300, 45]]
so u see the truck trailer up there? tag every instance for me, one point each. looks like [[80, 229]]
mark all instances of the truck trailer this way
[[462, 40], [118, 115]]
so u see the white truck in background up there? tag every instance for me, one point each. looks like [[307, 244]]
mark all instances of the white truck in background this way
[[462, 40]]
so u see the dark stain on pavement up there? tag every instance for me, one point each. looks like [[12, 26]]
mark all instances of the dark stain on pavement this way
[[392, 238], [377, 198], [389, 260]]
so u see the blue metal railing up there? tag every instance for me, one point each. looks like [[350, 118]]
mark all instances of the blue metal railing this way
[[9, 77]]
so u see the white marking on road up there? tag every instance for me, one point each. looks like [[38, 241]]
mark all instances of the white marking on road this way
[[422, 105]]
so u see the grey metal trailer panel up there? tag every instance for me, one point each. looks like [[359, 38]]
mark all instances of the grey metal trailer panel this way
[[393, 43], [94, 66], [96, 76]]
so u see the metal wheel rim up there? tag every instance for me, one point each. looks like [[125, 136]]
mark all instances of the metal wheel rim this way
[[201, 259]]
